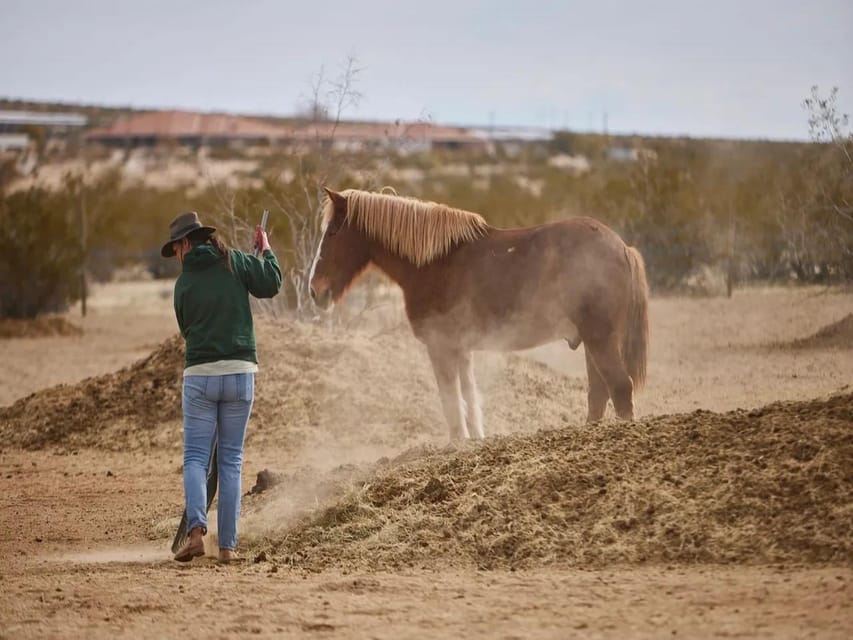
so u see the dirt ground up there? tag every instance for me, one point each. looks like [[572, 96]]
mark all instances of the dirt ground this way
[[124, 322], [87, 517]]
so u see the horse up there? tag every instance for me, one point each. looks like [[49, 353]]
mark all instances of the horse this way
[[468, 286]]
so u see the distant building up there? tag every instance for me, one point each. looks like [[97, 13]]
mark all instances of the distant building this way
[[630, 154], [398, 136], [15, 120], [197, 129], [185, 128], [16, 126], [512, 140], [514, 134]]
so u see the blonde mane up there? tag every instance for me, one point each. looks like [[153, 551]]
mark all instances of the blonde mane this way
[[413, 229]]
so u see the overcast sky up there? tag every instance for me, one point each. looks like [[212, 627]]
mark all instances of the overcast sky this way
[[730, 68]]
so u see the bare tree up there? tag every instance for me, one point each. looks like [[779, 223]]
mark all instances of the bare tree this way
[[817, 204], [828, 126], [297, 200], [318, 164]]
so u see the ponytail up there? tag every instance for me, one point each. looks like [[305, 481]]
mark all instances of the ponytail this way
[[197, 238], [224, 251]]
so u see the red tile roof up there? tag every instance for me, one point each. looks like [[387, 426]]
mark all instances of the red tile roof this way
[[187, 124], [382, 130]]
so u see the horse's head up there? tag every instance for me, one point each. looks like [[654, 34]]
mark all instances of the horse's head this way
[[341, 255]]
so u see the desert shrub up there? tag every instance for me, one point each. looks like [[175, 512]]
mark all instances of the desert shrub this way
[[815, 216], [40, 253]]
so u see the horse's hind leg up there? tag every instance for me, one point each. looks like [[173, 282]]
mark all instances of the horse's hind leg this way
[[608, 360], [474, 412], [445, 365], [598, 394]]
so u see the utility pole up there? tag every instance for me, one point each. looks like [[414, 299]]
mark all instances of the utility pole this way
[[730, 250], [83, 249]]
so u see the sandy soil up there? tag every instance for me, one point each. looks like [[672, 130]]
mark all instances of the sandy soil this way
[[86, 527], [721, 354], [80, 566], [124, 322]]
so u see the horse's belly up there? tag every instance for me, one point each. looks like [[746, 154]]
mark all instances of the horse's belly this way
[[512, 327], [527, 335]]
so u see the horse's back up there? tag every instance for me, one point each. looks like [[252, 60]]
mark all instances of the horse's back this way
[[521, 287], [572, 254]]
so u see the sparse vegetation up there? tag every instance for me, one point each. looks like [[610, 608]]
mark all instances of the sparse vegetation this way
[[745, 209], [39, 259]]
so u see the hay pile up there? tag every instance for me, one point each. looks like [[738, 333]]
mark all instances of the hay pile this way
[[769, 485], [836, 335], [117, 411], [40, 327]]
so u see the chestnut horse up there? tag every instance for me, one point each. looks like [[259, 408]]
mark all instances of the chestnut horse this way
[[468, 286]]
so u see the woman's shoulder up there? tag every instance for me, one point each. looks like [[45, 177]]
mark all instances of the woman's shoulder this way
[[240, 262], [238, 257]]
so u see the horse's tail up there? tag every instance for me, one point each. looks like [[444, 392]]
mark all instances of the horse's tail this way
[[636, 340]]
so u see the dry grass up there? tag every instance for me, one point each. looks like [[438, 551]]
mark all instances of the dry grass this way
[[37, 327], [835, 335]]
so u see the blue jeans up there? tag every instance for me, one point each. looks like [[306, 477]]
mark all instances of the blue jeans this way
[[216, 406]]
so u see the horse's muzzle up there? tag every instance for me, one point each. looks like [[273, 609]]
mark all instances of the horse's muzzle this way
[[323, 298]]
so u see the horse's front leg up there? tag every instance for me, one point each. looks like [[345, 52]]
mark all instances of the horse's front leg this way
[[445, 365], [598, 394], [471, 396]]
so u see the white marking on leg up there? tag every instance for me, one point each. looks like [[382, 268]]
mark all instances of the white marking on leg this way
[[475, 415], [471, 398], [454, 408], [446, 369], [460, 415]]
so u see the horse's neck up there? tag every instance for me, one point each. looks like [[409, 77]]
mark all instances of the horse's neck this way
[[400, 270]]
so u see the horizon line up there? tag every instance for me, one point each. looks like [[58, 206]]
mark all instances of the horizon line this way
[[543, 128]]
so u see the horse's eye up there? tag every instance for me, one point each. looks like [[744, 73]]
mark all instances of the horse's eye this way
[[333, 229]]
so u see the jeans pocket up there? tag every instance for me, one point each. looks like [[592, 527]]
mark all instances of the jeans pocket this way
[[195, 387], [246, 387]]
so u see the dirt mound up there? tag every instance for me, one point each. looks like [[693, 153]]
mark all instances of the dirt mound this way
[[837, 334], [39, 327], [117, 410], [768, 485], [338, 395]]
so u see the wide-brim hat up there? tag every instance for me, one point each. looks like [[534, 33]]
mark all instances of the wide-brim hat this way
[[181, 227]]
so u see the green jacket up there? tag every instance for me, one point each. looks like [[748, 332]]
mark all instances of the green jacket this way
[[212, 304]]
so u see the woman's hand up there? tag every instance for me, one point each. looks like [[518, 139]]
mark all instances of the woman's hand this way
[[262, 243]]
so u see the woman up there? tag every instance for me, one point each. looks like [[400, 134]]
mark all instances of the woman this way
[[212, 307]]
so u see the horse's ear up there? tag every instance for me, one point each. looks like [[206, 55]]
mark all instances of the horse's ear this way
[[334, 196], [339, 209]]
